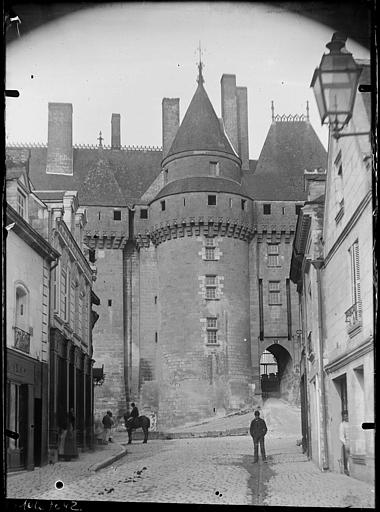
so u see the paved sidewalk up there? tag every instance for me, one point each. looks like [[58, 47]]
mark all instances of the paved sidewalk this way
[[291, 480], [27, 484]]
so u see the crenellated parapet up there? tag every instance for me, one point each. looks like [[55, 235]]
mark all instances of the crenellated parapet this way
[[290, 118], [105, 239], [273, 233], [195, 226], [84, 146]]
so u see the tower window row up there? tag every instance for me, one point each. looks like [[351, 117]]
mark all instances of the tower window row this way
[[267, 209], [211, 201]]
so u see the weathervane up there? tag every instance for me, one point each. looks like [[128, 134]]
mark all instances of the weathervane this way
[[200, 64]]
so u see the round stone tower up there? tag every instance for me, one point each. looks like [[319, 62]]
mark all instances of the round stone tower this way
[[201, 225]]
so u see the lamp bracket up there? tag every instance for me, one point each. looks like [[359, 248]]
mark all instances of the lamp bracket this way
[[356, 134]]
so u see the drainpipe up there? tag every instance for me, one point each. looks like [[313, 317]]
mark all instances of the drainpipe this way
[[49, 390], [318, 264]]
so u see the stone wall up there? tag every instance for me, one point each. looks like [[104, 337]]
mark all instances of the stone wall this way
[[196, 379], [108, 333]]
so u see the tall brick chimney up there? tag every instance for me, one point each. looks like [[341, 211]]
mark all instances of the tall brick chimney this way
[[230, 109], [115, 131], [242, 104], [170, 123], [60, 139]]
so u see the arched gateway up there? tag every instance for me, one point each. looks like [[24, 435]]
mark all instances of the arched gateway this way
[[279, 377]]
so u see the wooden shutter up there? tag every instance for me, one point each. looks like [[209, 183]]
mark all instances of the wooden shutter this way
[[356, 276]]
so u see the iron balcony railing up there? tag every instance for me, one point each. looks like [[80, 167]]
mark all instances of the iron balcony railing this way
[[22, 340]]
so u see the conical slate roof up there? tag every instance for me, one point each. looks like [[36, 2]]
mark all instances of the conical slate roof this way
[[200, 128]]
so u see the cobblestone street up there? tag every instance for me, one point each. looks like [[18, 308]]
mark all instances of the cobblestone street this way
[[207, 470]]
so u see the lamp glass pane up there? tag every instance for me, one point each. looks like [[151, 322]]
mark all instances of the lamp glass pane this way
[[317, 89]]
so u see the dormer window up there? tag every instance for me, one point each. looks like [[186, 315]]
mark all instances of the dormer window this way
[[21, 204]]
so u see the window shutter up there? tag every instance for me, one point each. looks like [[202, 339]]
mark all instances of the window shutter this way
[[356, 277]]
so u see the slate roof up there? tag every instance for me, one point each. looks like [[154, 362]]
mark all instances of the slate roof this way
[[201, 184], [200, 128], [274, 188], [101, 177], [289, 148], [51, 195]]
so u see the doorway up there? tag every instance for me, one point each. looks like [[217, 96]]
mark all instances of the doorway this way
[[37, 431], [17, 421]]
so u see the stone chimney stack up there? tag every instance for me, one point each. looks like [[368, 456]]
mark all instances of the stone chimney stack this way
[[170, 123], [60, 139], [230, 109], [242, 104], [115, 131], [235, 116]]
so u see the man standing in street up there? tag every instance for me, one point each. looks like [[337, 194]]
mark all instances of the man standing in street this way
[[107, 423], [345, 440], [258, 429]]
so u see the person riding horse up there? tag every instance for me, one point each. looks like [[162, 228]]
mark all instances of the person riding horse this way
[[131, 421]]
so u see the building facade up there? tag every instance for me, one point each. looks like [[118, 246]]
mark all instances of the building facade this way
[[71, 322], [192, 243], [338, 326], [53, 318], [29, 259], [348, 277], [305, 273]]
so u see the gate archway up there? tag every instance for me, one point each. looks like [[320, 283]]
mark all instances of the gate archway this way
[[277, 376]]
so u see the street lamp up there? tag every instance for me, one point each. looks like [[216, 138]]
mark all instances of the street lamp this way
[[335, 83]]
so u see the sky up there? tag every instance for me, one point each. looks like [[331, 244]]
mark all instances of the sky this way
[[126, 57]]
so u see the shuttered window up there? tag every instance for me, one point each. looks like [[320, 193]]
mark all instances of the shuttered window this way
[[355, 276]]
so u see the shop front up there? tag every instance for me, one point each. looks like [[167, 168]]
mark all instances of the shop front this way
[[26, 411]]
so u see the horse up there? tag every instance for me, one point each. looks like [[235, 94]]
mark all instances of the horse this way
[[139, 422]]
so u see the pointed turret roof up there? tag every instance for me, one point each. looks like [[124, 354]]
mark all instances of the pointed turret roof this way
[[200, 128]]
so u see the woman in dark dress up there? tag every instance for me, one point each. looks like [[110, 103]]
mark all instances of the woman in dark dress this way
[[70, 447]]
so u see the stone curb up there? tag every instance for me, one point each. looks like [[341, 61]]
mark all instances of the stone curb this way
[[108, 461], [210, 433], [241, 431]]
